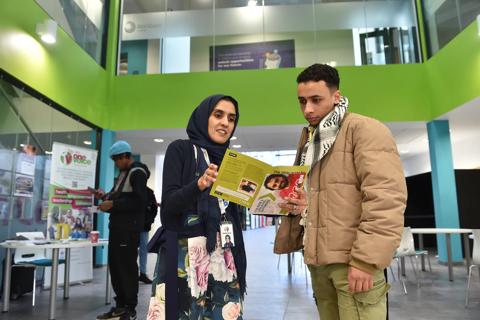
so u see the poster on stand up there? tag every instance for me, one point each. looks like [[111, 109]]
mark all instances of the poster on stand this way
[[70, 216], [72, 172]]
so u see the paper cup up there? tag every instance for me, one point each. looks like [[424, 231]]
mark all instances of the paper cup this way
[[94, 236]]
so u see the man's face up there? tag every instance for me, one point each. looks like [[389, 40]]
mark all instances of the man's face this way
[[316, 100], [277, 183], [122, 162]]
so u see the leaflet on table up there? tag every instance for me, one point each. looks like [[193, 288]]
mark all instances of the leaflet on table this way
[[255, 184]]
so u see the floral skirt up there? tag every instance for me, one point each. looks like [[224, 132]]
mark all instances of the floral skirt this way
[[208, 284]]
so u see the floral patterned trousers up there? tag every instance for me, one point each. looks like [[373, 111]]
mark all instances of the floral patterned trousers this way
[[208, 285]]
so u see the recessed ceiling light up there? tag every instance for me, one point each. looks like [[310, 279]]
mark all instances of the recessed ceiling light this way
[[158, 140], [87, 142], [237, 146], [252, 3], [48, 152], [22, 145], [233, 138]]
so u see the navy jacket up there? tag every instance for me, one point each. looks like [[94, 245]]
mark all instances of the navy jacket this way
[[179, 202]]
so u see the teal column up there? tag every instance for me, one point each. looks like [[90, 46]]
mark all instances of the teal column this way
[[107, 174], [444, 187]]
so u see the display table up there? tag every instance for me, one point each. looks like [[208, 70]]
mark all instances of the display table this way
[[447, 232], [55, 246]]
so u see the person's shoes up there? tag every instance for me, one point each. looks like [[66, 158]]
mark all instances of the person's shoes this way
[[129, 315], [144, 278], [113, 314]]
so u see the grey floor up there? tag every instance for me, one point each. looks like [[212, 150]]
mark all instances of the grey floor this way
[[275, 295]]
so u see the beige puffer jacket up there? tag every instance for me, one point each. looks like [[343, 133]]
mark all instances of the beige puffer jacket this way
[[357, 196]]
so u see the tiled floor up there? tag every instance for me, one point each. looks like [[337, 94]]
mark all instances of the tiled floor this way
[[274, 295]]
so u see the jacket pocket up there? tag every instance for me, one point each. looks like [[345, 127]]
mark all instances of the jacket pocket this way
[[372, 296]]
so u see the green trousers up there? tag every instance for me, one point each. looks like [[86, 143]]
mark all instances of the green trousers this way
[[336, 302]]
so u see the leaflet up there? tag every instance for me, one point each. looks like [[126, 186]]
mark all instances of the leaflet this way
[[257, 185]]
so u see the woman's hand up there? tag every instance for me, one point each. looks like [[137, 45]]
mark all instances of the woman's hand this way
[[296, 203], [208, 177]]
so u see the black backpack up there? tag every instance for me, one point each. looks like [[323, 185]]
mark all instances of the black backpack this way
[[151, 210]]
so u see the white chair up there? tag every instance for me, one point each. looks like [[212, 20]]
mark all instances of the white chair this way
[[407, 249], [32, 257], [475, 260]]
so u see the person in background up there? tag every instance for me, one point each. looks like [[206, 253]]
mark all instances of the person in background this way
[[126, 203]]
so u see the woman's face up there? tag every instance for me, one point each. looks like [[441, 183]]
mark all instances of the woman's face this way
[[222, 122]]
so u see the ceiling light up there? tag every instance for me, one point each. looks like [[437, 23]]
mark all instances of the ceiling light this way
[[87, 142], [252, 3], [237, 146], [47, 31], [48, 152], [158, 140], [403, 151], [333, 63], [233, 138], [22, 145]]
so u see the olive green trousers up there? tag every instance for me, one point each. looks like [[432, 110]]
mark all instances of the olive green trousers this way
[[336, 302]]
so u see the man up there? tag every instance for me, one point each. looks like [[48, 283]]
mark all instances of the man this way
[[126, 204], [350, 218]]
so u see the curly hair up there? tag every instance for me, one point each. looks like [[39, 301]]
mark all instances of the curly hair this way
[[318, 72]]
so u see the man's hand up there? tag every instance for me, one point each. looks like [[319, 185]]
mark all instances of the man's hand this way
[[358, 280], [208, 177], [106, 205], [296, 202], [99, 193]]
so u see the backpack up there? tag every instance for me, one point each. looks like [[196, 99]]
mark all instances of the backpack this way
[[151, 210]]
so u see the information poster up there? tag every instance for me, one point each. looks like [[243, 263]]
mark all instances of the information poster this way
[[70, 201], [258, 55], [72, 171]]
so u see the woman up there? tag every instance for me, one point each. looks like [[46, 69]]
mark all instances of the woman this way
[[209, 280]]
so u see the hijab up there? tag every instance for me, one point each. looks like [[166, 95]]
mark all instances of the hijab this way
[[197, 131]]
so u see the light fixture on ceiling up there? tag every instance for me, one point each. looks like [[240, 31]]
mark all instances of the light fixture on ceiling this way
[[233, 138], [87, 142], [47, 31], [237, 146], [22, 145], [403, 151], [252, 3], [158, 140], [48, 152]]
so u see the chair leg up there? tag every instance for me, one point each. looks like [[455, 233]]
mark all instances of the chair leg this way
[[414, 271], [393, 273], [34, 285], [399, 268], [278, 263], [468, 284], [429, 264]]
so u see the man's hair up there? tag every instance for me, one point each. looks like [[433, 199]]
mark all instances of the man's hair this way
[[318, 72]]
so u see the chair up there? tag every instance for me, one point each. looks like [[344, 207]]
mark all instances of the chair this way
[[475, 260], [32, 257], [407, 249]]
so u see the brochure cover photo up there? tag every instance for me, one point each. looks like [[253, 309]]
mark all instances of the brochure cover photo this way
[[255, 184]]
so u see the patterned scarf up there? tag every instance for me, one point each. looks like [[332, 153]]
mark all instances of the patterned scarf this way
[[324, 135]]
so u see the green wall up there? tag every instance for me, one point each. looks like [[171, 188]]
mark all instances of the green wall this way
[[454, 72], [266, 97], [70, 77], [62, 71]]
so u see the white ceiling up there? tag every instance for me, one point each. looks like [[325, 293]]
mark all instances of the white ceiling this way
[[411, 137]]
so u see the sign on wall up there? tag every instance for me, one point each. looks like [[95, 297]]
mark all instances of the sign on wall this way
[[259, 55]]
